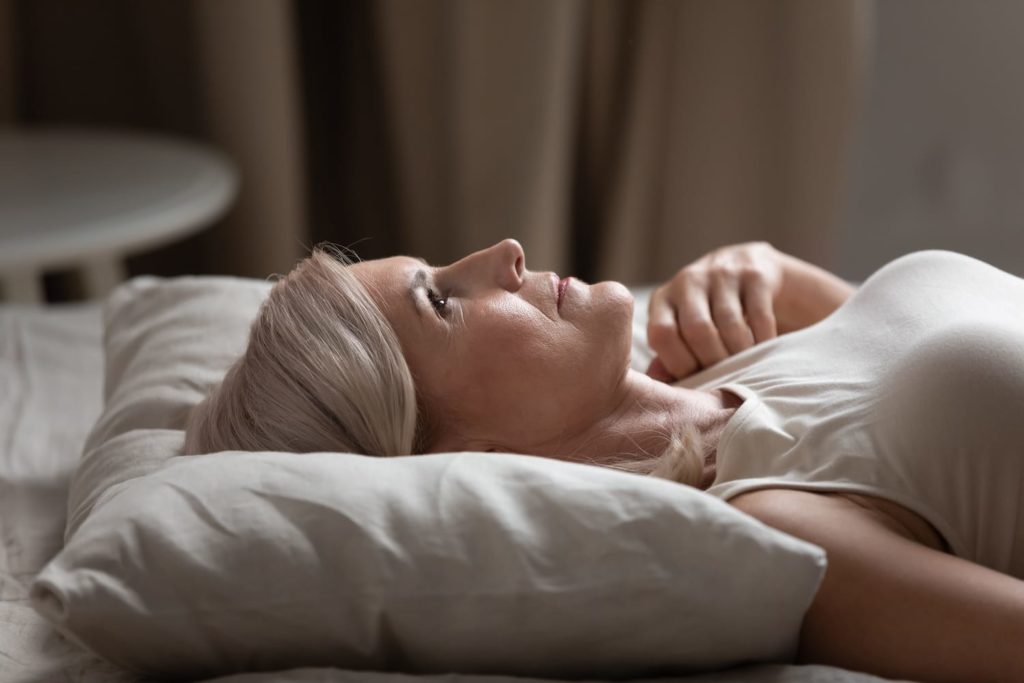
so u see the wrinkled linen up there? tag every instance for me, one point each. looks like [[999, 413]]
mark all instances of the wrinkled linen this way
[[51, 377]]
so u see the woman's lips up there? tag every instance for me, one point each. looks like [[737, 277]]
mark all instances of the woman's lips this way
[[563, 285]]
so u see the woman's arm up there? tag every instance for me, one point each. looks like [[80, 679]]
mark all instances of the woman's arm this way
[[730, 299], [808, 294], [893, 607]]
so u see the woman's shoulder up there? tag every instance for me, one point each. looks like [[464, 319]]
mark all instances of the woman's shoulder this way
[[801, 513], [815, 515]]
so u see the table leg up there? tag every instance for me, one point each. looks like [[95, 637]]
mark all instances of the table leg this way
[[23, 287], [101, 274]]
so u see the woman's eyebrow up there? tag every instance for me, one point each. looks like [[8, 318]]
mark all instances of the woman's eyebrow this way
[[419, 279]]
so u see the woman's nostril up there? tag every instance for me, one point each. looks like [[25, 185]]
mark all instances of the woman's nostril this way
[[519, 266]]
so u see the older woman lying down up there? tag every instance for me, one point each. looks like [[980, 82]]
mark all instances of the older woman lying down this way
[[888, 431]]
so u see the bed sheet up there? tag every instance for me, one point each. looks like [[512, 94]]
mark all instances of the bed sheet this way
[[50, 393], [51, 374]]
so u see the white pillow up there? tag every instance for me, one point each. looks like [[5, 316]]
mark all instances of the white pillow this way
[[165, 343], [486, 563]]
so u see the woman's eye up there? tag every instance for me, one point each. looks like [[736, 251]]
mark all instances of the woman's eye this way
[[440, 303]]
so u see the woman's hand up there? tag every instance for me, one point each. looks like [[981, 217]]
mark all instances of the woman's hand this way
[[713, 308]]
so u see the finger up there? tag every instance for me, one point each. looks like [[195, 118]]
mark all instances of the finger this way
[[727, 312], [664, 338], [657, 370], [698, 328], [757, 302]]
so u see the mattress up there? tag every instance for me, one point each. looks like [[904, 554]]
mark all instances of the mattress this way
[[51, 376]]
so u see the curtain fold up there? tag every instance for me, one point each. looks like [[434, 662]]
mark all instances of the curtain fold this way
[[482, 98], [620, 139], [250, 99], [739, 120], [349, 148]]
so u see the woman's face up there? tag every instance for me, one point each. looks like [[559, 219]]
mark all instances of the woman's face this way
[[501, 363]]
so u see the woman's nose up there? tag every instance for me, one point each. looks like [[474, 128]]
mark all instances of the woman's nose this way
[[510, 263], [501, 264]]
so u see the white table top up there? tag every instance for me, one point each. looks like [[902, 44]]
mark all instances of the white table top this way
[[68, 195]]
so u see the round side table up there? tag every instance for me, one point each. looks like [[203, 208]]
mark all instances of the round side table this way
[[85, 199]]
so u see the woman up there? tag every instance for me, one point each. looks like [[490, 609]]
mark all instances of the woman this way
[[882, 425]]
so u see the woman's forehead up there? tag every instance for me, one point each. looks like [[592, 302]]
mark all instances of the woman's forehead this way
[[388, 280], [394, 270]]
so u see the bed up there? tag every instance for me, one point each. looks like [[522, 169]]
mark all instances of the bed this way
[[51, 394]]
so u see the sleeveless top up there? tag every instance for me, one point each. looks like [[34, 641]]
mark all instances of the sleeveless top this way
[[911, 391]]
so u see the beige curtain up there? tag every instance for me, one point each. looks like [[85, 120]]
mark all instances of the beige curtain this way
[[249, 75], [614, 138], [482, 98], [739, 124], [643, 133]]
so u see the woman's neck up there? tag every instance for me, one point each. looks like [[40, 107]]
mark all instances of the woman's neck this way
[[645, 411]]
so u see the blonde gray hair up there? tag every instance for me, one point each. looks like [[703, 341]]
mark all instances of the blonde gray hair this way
[[324, 371], [681, 461]]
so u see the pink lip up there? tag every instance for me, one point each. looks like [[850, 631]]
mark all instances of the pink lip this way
[[563, 285]]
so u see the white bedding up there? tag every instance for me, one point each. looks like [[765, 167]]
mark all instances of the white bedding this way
[[50, 394]]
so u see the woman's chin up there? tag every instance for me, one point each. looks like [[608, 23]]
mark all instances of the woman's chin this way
[[615, 303], [614, 293]]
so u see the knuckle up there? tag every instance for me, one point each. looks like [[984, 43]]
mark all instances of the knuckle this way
[[689, 277], [752, 273], [724, 272], [754, 246]]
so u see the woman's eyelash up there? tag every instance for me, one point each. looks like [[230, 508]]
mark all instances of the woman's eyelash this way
[[440, 303]]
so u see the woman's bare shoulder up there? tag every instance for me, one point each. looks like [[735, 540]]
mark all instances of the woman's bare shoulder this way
[[831, 512], [782, 507], [808, 515]]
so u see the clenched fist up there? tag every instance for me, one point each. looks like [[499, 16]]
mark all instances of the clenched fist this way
[[713, 308]]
